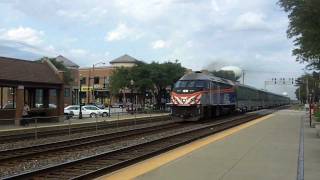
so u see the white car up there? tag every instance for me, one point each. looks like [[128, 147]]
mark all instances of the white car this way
[[94, 111], [72, 110], [87, 111]]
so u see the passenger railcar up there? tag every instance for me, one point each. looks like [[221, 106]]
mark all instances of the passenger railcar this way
[[198, 95]]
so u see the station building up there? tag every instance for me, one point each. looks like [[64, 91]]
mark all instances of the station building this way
[[38, 84]]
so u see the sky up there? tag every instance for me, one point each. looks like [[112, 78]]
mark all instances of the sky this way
[[201, 34]]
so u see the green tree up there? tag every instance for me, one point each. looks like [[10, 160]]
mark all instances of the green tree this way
[[164, 75], [67, 76], [154, 77], [225, 74], [311, 82], [304, 29], [120, 79]]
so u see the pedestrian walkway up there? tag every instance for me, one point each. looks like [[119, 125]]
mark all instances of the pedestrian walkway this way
[[75, 121], [311, 152], [266, 148]]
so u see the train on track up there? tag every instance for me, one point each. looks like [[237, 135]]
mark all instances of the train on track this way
[[200, 96]]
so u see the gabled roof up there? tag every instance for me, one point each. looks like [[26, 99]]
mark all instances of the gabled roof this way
[[125, 59], [27, 71], [67, 62]]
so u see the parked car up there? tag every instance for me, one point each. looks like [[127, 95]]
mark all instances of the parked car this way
[[72, 110], [50, 106], [87, 111], [94, 111], [100, 106]]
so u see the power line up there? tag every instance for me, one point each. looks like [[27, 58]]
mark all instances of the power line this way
[[270, 72]]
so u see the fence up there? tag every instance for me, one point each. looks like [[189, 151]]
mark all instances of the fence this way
[[37, 127]]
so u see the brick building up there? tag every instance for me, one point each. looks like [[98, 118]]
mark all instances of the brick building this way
[[95, 81], [39, 84], [95, 84]]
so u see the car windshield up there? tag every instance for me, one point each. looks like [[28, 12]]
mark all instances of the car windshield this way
[[191, 84]]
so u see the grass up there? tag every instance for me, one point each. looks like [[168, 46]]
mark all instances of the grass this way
[[317, 116]]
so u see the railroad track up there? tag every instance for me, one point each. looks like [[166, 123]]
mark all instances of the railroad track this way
[[74, 130], [78, 143], [95, 165]]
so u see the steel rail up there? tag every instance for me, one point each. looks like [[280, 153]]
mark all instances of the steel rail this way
[[74, 130], [96, 165], [24, 152]]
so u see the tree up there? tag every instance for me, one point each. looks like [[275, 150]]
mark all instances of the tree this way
[[164, 75], [304, 29], [67, 76], [154, 77], [225, 74], [119, 79], [308, 82]]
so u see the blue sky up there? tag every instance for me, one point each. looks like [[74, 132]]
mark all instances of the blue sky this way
[[202, 34]]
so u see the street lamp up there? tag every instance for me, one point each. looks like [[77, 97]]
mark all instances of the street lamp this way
[[80, 97], [93, 95], [131, 83]]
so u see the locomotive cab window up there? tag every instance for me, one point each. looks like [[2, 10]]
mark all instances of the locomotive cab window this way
[[191, 84]]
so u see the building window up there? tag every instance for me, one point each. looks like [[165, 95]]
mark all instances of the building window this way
[[39, 98], [83, 80], [53, 98], [96, 80], [7, 98], [67, 92], [106, 82]]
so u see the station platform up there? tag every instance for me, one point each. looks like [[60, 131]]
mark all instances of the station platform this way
[[266, 148]]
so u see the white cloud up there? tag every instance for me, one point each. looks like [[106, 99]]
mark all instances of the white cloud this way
[[144, 10], [23, 34], [78, 52], [91, 15], [251, 21], [159, 44], [121, 32]]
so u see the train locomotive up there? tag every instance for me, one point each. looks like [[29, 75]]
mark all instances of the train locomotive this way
[[199, 96]]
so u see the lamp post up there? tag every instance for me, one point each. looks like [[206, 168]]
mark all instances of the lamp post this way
[[132, 83], [80, 98], [93, 95]]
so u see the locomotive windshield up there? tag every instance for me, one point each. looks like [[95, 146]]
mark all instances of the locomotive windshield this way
[[191, 84]]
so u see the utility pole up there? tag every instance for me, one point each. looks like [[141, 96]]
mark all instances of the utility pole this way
[[309, 102], [243, 73], [88, 88], [300, 95], [307, 86]]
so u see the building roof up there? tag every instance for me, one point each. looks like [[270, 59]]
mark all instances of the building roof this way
[[67, 62], [27, 71], [125, 59]]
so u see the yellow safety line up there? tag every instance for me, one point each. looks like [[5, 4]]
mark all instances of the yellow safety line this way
[[143, 167]]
